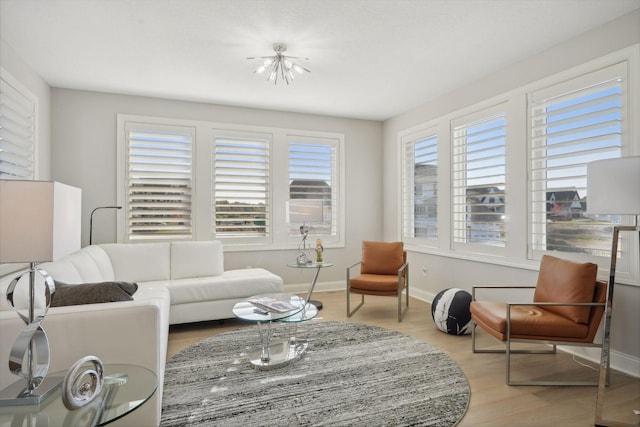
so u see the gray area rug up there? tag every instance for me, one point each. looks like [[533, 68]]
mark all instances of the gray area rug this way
[[351, 375]]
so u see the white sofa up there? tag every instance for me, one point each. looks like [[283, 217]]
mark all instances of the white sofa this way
[[178, 282]]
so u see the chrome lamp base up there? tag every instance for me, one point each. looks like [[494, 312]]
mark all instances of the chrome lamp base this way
[[14, 395]]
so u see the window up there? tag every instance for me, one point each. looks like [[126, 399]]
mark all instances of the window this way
[[479, 178], [572, 124], [199, 180], [159, 182], [313, 176], [241, 185], [17, 131], [420, 186], [511, 170]]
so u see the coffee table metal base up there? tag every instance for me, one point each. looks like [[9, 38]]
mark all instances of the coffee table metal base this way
[[278, 353]]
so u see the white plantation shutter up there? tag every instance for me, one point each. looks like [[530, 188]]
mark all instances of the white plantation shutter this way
[[160, 182], [313, 174], [17, 133], [420, 187], [571, 124], [241, 185], [479, 179]]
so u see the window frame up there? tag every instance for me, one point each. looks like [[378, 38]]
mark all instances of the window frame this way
[[166, 129], [535, 212], [244, 135], [336, 237], [408, 142], [458, 216]]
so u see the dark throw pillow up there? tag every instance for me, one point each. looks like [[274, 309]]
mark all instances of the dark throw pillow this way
[[92, 293]]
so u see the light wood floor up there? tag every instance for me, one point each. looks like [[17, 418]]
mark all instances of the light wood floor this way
[[492, 402]]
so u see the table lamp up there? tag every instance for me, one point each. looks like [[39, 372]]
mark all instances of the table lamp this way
[[39, 221], [613, 188]]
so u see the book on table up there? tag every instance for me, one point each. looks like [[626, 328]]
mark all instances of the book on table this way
[[273, 305]]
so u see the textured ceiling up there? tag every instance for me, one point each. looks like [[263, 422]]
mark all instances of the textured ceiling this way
[[369, 59]]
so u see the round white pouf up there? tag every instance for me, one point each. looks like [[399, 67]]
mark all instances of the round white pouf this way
[[450, 311]]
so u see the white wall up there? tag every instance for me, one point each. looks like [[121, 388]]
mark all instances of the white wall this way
[[19, 70], [84, 155], [443, 272]]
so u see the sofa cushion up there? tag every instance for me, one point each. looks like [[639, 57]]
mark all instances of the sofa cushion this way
[[196, 259], [139, 262], [232, 284], [102, 262], [62, 270], [92, 293], [565, 281], [87, 267]]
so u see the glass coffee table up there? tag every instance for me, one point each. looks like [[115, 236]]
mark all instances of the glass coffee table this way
[[276, 352]]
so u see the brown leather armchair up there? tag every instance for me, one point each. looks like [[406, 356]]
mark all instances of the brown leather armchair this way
[[568, 304], [384, 271]]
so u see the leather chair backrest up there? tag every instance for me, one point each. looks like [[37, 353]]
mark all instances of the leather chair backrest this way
[[382, 257], [565, 281]]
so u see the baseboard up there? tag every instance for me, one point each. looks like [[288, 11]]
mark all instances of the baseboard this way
[[620, 362], [320, 287]]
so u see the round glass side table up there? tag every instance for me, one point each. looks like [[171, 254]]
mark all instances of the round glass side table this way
[[317, 266], [126, 388]]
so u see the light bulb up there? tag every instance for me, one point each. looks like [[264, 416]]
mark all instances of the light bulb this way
[[260, 69], [268, 62], [288, 64], [298, 68]]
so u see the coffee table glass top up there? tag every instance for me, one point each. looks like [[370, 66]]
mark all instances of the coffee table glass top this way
[[247, 311]]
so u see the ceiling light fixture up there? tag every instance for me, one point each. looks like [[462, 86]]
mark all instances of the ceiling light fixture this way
[[279, 65]]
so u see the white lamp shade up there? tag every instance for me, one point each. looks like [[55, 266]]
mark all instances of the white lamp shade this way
[[39, 220], [613, 186]]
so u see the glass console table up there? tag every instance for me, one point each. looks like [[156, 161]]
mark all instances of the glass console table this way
[[126, 388]]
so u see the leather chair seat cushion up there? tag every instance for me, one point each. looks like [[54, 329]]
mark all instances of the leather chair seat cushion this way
[[565, 281], [382, 257], [374, 284], [527, 322]]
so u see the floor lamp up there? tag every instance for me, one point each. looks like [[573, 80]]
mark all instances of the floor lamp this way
[[91, 220], [613, 187]]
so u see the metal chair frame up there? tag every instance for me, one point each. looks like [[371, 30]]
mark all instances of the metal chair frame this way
[[403, 272], [553, 343]]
